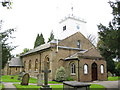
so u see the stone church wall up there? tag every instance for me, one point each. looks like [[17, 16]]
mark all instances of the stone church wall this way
[[58, 59], [72, 41], [88, 77], [40, 56]]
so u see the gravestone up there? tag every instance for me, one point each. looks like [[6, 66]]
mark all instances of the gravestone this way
[[75, 85], [40, 79], [20, 75], [25, 79], [46, 86]]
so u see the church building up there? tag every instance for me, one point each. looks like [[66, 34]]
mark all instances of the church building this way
[[72, 50]]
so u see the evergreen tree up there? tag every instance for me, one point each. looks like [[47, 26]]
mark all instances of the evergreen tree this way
[[51, 37], [5, 47], [109, 43], [37, 41], [42, 40]]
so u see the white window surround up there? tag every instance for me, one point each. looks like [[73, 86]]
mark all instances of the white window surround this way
[[102, 68], [73, 70], [85, 69], [78, 44]]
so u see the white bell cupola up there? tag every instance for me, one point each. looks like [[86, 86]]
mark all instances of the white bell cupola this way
[[70, 25]]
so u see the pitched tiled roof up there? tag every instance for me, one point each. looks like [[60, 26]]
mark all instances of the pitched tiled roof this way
[[91, 53], [41, 47], [15, 62]]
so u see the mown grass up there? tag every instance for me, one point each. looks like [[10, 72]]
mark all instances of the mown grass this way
[[114, 78], [96, 87], [60, 87], [1, 86], [34, 87], [7, 78]]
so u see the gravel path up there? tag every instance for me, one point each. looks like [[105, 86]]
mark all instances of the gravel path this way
[[110, 85], [9, 86]]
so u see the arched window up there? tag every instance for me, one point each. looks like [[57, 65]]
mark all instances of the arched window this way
[[73, 70], [85, 69], [47, 62], [30, 64], [36, 64], [16, 68], [78, 44], [102, 68]]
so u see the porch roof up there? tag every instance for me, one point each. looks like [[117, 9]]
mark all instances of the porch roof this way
[[90, 53], [15, 62]]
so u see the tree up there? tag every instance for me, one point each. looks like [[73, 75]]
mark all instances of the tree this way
[[42, 40], [118, 68], [6, 47], [39, 40], [6, 4], [108, 44], [51, 37], [91, 38], [25, 50]]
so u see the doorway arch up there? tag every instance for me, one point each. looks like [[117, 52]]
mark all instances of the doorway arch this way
[[94, 72]]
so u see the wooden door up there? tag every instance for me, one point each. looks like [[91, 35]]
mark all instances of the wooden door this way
[[94, 72]]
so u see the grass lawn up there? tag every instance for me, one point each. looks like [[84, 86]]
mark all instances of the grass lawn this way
[[114, 78], [1, 86], [60, 87], [33, 87], [96, 86], [7, 78]]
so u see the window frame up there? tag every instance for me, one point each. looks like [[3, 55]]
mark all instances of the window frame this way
[[85, 69], [73, 68], [36, 64], [64, 28], [78, 44], [102, 69]]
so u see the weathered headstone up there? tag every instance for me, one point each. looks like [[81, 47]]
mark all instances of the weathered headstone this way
[[40, 79], [25, 79], [20, 75]]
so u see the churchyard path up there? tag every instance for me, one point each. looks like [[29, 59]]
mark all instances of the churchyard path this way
[[9, 86], [108, 84]]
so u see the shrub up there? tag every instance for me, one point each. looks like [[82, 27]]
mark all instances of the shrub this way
[[109, 74], [69, 78], [60, 74]]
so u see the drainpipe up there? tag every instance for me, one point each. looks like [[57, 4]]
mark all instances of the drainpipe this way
[[40, 63], [78, 71]]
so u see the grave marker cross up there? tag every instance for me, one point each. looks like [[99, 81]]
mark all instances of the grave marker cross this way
[[46, 72]]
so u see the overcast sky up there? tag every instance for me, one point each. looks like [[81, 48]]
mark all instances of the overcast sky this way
[[31, 17]]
